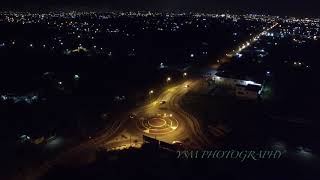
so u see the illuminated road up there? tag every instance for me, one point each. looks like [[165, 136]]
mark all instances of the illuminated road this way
[[242, 46], [167, 122], [128, 131]]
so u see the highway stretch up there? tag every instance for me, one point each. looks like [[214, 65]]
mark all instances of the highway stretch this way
[[163, 118]]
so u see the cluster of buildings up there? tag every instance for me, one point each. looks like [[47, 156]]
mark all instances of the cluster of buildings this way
[[243, 86], [71, 32], [245, 82], [29, 99]]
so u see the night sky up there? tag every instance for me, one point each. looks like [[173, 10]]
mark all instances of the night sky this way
[[275, 7]]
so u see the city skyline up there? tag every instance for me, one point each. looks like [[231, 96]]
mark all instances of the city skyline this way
[[273, 7]]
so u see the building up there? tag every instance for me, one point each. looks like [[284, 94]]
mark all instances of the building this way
[[232, 80], [250, 91], [242, 84]]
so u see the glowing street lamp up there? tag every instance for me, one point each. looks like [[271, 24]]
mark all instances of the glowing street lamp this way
[[76, 77], [168, 79], [151, 92], [185, 74]]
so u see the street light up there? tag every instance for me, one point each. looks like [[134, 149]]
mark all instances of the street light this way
[[76, 77], [185, 74], [168, 79], [151, 92]]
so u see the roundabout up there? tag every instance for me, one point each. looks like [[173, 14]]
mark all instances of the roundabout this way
[[157, 122], [157, 125]]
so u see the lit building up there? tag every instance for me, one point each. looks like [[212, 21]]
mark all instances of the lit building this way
[[250, 91], [232, 80]]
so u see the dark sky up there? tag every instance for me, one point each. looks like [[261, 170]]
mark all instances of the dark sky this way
[[277, 7]]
